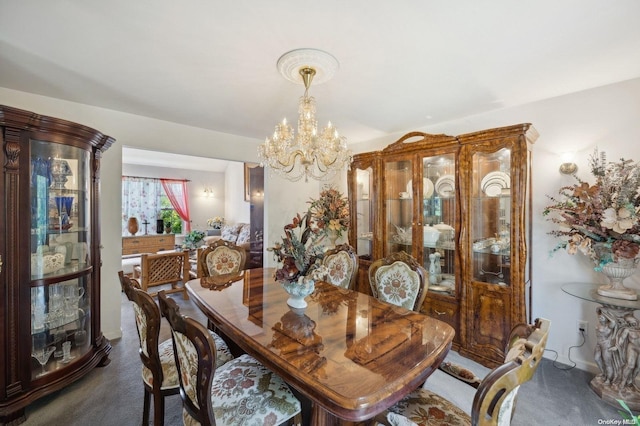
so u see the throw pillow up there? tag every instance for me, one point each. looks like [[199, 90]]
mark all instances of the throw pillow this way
[[245, 234], [229, 233]]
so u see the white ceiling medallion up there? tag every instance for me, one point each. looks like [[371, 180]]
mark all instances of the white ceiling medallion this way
[[323, 63]]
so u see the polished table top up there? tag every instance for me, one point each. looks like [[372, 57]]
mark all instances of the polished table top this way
[[350, 353]]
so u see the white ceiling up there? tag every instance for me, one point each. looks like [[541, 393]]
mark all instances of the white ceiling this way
[[404, 64]]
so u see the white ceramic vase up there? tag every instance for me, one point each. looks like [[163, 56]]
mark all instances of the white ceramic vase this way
[[298, 290], [617, 272]]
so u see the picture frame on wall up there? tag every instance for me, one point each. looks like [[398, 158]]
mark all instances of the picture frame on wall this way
[[247, 179]]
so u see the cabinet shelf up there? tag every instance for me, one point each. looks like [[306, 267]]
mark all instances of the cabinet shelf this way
[[73, 268]]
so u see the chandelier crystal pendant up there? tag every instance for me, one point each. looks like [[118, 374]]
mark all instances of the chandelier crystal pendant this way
[[319, 155]]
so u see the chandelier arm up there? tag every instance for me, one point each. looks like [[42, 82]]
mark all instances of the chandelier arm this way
[[291, 161]]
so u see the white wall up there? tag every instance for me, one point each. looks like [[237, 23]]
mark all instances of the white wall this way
[[607, 117], [236, 208]]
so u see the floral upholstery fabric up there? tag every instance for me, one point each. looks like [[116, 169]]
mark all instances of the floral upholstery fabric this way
[[398, 420], [223, 260], [165, 353], [340, 269], [169, 371], [398, 284], [506, 409], [243, 392], [230, 232], [244, 235], [223, 353], [141, 324], [426, 408]]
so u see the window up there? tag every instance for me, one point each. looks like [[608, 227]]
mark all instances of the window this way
[[149, 199]]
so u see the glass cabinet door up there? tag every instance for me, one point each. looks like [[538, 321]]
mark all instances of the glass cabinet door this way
[[60, 255], [364, 213], [438, 221], [398, 193], [490, 216]]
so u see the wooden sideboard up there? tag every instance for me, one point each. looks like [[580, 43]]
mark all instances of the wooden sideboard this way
[[148, 243]]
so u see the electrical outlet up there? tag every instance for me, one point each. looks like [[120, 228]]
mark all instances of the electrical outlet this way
[[582, 326]]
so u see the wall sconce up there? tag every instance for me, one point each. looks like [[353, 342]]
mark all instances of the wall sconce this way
[[568, 167], [208, 192]]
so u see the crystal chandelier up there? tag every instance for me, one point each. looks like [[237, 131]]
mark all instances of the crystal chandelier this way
[[319, 155]]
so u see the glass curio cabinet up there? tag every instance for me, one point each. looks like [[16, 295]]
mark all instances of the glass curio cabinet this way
[[51, 273], [460, 205]]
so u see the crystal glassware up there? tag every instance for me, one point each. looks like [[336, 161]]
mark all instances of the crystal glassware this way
[[42, 356]]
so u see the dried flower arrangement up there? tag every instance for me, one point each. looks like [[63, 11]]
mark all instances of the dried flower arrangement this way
[[331, 211], [300, 251], [600, 220]]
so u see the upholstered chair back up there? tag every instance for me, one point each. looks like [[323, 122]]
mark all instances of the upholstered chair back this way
[[158, 367], [221, 258], [342, 266], [399, 279]]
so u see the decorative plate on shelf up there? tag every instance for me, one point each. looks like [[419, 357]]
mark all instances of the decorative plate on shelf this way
[[427, 188], [445, 186], [439, 288], [494, 182]]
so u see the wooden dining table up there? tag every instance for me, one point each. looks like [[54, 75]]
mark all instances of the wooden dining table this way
[[350, 354]]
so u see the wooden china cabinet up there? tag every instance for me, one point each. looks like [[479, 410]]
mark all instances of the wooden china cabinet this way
[[461, 205], [50, 247]]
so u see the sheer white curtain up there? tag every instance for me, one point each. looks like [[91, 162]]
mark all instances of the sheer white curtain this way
[[140, 199]]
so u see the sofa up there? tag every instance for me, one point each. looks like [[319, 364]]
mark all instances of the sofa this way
[[239, 234]]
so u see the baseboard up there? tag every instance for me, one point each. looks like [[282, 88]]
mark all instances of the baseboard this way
[[580, 364], [113, 335]]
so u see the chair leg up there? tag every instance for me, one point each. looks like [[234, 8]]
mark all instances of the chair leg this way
[[158, 409], [145, 409]]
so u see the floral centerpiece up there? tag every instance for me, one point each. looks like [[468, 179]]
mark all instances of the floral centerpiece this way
[[600, 220], [193, 239], [330, 212], [301, 257], [215, 222], [300, 252]]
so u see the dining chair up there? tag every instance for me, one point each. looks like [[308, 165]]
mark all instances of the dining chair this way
[[400, 280], [165, 268], [221, 258], [495, 399], [242, 391], [342, 266], [159, 373]]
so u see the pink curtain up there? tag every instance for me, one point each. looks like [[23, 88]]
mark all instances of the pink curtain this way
[[176, 191]]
